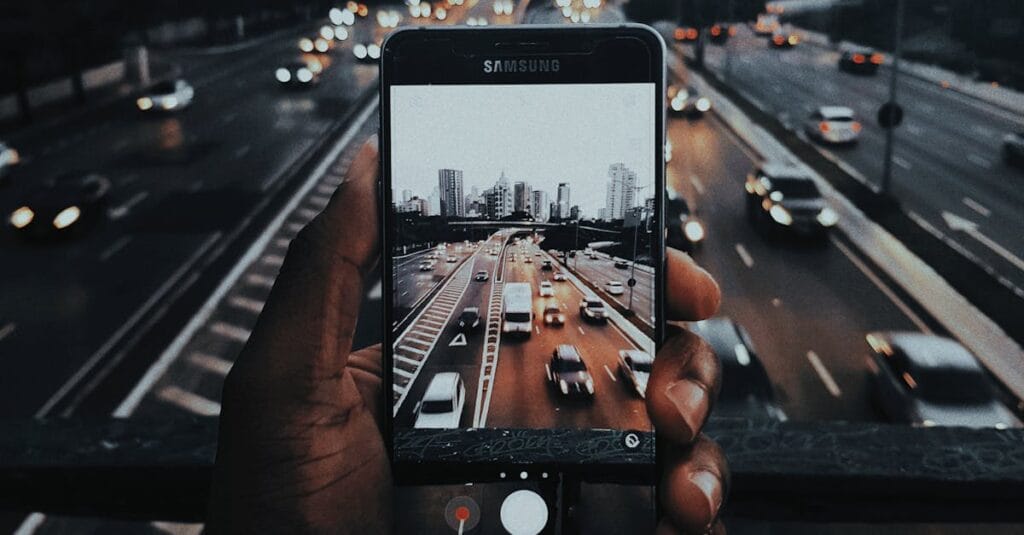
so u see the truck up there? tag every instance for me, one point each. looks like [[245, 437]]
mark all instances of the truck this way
[[517, 309]]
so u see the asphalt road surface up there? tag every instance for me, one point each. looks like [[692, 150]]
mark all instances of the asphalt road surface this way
[[601, 269], [947, 155]]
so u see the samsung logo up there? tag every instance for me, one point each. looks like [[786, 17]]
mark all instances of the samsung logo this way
[[520, 65]]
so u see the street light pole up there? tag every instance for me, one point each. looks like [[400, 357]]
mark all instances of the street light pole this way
[[883, 188]]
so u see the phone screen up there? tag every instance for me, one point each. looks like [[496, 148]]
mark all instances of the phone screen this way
[[524, 254]]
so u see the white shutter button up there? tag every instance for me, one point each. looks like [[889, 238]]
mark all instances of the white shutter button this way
[[524, 513]]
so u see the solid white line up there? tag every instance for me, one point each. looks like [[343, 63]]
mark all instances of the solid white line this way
[[31, 524], [6, 330], [245, 303], [210, 363], [114, 248], [129, 325], [910, 314], [980, 161], [826, 377], [193, 403], [744, 255], [976, 206], [233, 332], [610, 374]]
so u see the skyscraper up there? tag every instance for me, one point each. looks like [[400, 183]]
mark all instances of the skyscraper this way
[[540, 206], [621, 193], [449, 184], [522, 197], [406, 195], [563, 202], [498, 200]]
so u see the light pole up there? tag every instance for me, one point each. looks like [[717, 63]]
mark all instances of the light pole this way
[[887, 160], [636, 236]]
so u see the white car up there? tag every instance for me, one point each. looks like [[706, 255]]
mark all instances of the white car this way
[[546, 290], [833, 124], [427, 266], [635, 368], [166, 96], [452, 260], [614, 288], [442, 403], [9, 157], [558, 276], [480, 276]]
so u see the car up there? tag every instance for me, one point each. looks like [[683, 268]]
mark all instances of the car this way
[[452, 259], [860, 60], [480, 276], [299, 74], [614, 288], [469, 319], [766, 25], [635, 368], [835, 125], [784, 40], [1013, 148], [442, 404], [687, 101], [528, 260], [537, 254], [511, 258], [432, 256], [621, 264], [61, 205], [169, 95], [368, 52], [929, 380], [547, 266], [9, 157], [592, 309], [316, 45], [720, 33], [558, 276], [426, 266], [568, 372], [546, 289], [685, 231], [783, 199], [686, 34], [746, 390], [553, 314], [494, 252]]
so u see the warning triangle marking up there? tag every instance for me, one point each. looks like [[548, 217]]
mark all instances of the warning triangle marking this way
[[459, 340]]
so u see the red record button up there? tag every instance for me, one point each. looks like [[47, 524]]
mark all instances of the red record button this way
[[462, 514]]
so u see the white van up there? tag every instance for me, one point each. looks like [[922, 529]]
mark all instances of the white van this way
[[517, 316]]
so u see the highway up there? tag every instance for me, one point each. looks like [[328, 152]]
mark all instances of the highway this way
[[947, 156]]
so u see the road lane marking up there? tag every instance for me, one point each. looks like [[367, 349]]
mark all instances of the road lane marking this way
[[581, 330], [824, 375], [114, 248], [210, 363], [976, 206], [242, 151], [231, 331], [7, 330], [307, 213], [610, 374], [412, 350], [744, 255], [982, 130], [255, 279], [178, 528], [536, 329], [272, 260], [245, 303], [914, 129], [901, 162], [326, 189], [294, 226], [121, 211], [776, 302], [31, 524], [980, 161], [403, 373], [193, 403], [907, 311], [320, 200], [697, 185], [407, 360], [425, 343]]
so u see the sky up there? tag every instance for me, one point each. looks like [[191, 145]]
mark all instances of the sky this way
[[543, 134]]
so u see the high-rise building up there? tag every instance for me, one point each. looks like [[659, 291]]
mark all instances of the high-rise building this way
[[562, 201], [498, 199], [620, 195], [541, 211], [522, 197], [415, 205], [434, 202], [406, 195], [574, 213], [449, 183]]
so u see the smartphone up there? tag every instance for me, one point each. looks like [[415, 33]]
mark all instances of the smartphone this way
[[523, 191]]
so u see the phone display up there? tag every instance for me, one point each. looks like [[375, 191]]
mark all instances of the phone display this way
[[525, 260]]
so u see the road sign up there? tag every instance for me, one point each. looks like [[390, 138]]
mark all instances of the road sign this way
[[459, 340], [631, 282], [890, 115]]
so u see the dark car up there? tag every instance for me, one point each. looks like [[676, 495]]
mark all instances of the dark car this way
[[469, 320], [621, 264], [299, 74], [62, 205], [860, 61], [685, 231], [1013, 148], [568, 373], [687, 101], [783, 199], [546, 266], [929, 380], [686, 34], [784, 40], [746, 390]]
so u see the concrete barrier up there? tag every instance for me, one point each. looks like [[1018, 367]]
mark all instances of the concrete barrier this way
[[62, 88]]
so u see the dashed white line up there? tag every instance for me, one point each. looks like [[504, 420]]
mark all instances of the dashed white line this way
[[307, 213], [610, 374], [697, 185], [536, 329], [7, 330], [114, 248], [980, 161], [901, 162], [210, 363], [326, 189], [193, 403], [255, 279], [976, 206], [826, 377], [120, 211], [581, 330], [272, 260], [319, 199], [744, 255], [252, 305], [233, 332], [242, 151], [982, 130]]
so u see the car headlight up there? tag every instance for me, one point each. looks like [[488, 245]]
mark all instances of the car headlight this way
[[590, 386], [304, 75], [373, 51], [359, 51], [67, 217], [564, 386], [283, 75], [694, 231], [169, 103], [22, 217], [144, 103], [703, 104], [340, 33], [780, 215], [828, 217], [12, 156], [321, 45], [677, 104], [306, 44]]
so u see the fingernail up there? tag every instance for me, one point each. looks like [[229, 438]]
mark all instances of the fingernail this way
[[711, 487], [691, 400]]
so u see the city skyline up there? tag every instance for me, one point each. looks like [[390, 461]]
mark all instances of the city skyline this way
[[490, 130]]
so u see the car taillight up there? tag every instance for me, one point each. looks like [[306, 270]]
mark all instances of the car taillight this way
[[680, 34], [716, 31], [732, 30], [824, 127], [691, 33], [778, 39], [858, 58], [856, 127], [877, 59]]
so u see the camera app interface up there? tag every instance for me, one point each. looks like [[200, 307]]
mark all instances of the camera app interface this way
[[523, 283]]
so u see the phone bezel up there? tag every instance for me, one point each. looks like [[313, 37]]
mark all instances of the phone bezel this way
[[438, 63]]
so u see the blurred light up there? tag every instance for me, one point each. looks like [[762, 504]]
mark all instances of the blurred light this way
[[1001, 426], [703, 104], [327, 32], [828, 217], [824, 127], [21, 217], [283, 75], [742, 355], [877, 58], [306, 44], [322, 45], [304, 75], [414, 10], [945, 84], [780, 215], [776, 196], [363, 10], [585, 16], [567, 11], [373, 51], [12, 156], [678, 103], [732, 30], [691, 33], [335, 15], [144, 103], [352, 7], [498, 7], [694, 231], [856, 127], [928, 423], [778, 39], [315, 66], [359, 51], [793, 39], [66, 217], [668, 150], [858, 58], [440, 13], [575, 16], [340, 33], [348, 18], [716, 30], [169, 103]]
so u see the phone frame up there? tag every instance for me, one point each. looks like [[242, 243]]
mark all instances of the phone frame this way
[[449, 461]]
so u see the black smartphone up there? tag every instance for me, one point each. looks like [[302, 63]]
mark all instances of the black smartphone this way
[[523, 188]]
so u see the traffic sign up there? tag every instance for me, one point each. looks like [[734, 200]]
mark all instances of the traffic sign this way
[[631, 282], [890, 115]]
